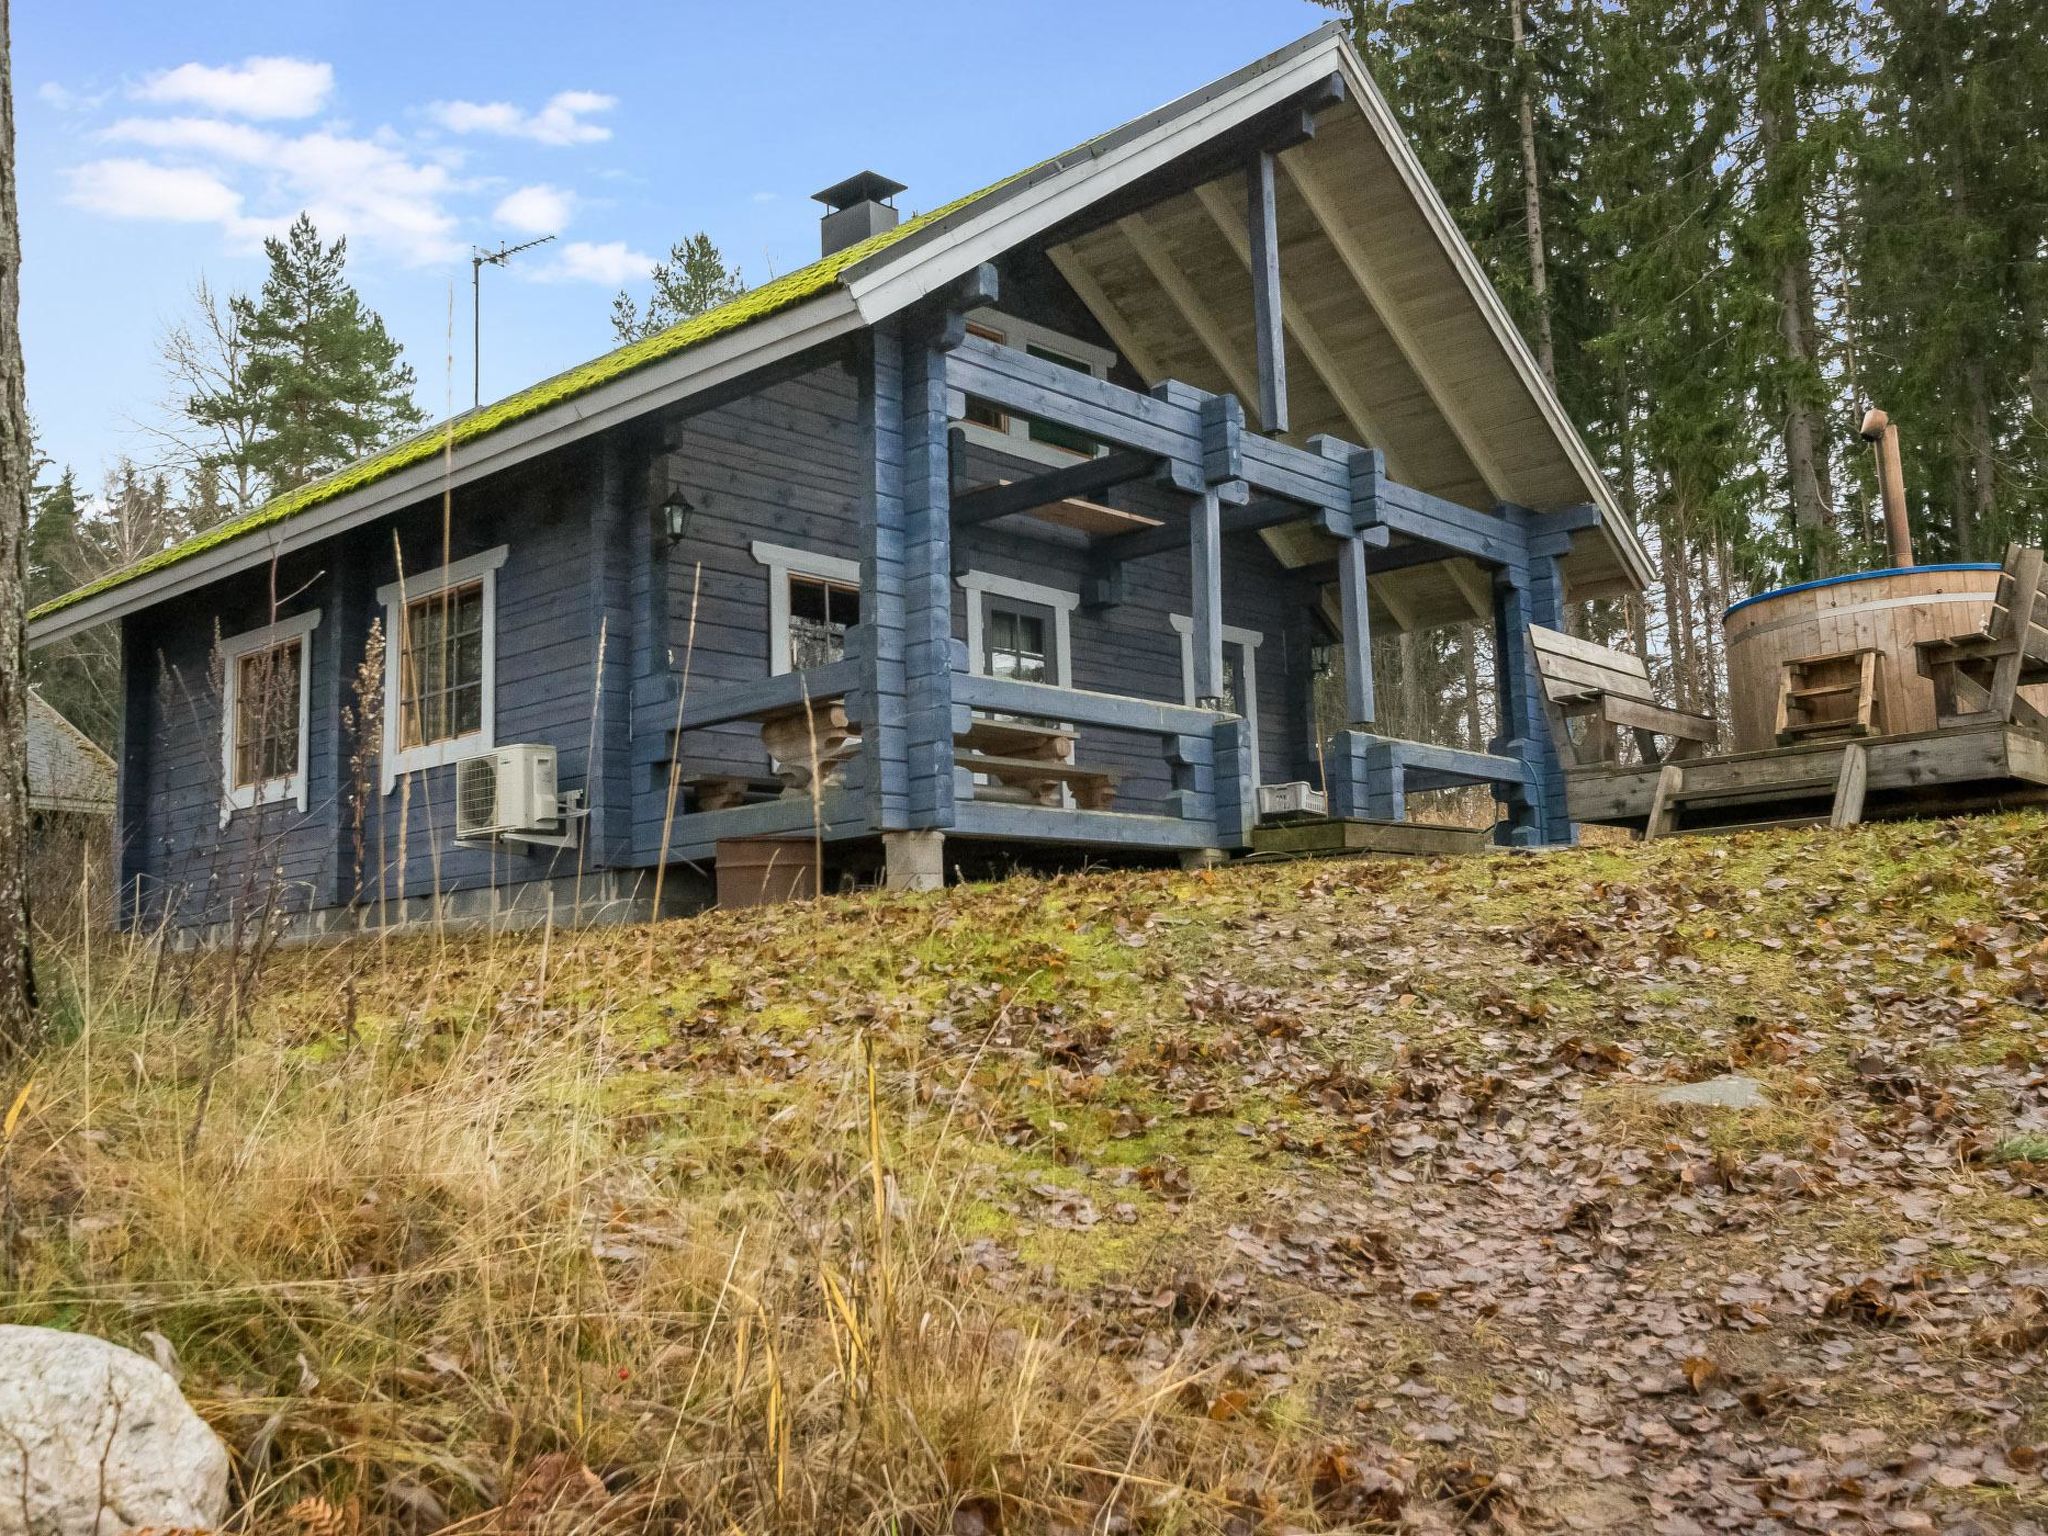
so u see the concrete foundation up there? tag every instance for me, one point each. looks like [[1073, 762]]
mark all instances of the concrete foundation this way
[[914, 861]]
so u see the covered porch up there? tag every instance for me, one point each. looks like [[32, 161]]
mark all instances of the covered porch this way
[[917, 732]]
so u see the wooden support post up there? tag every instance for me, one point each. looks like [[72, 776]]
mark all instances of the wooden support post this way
[[654, 660], [1359, 703], [876, 643], [1386, 782], [133, 755], [1536, 808], [615, 520], [1236, 794], [1664, 807], [1346, 773], [1269, 317], [1205, 558], [927, 588], [337, 652], [1850, 784]]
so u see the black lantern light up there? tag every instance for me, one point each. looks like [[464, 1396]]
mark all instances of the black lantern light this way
[[676, 516]]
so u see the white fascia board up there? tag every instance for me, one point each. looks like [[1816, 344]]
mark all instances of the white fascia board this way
[[888, 286], [823, 318]]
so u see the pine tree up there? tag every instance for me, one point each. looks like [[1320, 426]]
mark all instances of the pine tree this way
[[1950, 237], [54, 565], [695, 278], [324, 380]]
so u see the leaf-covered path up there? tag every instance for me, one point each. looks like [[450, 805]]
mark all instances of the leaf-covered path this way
[[1314, 1196]]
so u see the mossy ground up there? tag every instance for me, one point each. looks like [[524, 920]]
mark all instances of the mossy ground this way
[[1293, 1195]]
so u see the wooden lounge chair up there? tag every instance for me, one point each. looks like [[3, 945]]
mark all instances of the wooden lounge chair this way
[[1977, 678], [1612, 689]]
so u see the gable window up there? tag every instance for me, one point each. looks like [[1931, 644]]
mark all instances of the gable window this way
[[813, 600], [1046, 441], [1240, 675], [265, 687], [440, 664]]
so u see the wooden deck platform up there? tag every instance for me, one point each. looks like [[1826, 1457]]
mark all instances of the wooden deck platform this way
[[1348, 834], [1925, 773]]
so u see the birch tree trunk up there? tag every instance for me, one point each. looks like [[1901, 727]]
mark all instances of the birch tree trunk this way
[[1532, 196], [17, 980]]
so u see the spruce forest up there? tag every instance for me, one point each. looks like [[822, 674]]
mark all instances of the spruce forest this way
[[1727, 229]]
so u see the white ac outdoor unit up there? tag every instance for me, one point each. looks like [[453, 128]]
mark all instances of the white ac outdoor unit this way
[[1286, 802], [509, 792]]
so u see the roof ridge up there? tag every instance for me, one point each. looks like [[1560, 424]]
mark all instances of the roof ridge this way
[[775, 296]]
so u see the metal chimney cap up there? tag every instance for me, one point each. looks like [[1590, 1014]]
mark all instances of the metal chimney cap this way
[[865, 187]]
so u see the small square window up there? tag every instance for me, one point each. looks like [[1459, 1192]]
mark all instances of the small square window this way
[[820, 613]]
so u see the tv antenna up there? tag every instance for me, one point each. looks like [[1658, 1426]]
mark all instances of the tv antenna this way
[[478, 260]]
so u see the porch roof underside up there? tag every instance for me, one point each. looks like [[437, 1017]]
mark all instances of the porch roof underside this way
[[1385, 347]]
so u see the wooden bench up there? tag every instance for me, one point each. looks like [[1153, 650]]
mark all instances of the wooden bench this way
[[1977, 677], [1037, 777], [1612, 689]]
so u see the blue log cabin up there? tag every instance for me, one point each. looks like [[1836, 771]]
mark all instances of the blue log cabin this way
[[1022, 524]]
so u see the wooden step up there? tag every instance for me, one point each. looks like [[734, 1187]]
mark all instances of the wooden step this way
[[1776, 789], [1826, 691]]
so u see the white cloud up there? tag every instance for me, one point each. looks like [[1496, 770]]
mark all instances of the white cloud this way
[[562, 120], [611, 263], [370, 190], [535, 210], [51, 94], [257, 87], [142, 189], [207, 136]]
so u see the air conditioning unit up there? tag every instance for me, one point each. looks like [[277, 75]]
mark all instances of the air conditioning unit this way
[[1289, 802], [509, 792]]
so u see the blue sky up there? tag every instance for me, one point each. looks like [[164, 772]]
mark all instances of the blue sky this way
[[158, 143]]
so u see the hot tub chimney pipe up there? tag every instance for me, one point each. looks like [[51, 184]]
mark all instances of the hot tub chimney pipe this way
[[1891, 481]]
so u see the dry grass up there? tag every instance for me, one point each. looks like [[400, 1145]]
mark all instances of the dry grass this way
[[916, 1214]]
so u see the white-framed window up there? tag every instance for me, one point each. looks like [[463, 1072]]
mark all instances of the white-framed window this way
[[813, 600], [266, 692], [1240, 675], [440, 664], [1019, 629], [1045, 441]]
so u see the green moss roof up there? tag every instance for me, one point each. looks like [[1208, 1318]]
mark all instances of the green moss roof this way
[[756, 304]]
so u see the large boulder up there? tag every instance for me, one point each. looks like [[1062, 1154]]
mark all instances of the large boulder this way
[[96, 1440]]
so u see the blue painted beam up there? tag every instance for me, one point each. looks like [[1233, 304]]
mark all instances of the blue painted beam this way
[[1359, 702], [1262, 224], [1080, 707], [1205, 562], [1053, 824]]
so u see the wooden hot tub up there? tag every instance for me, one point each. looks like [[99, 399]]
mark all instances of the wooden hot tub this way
[[1885, 610]]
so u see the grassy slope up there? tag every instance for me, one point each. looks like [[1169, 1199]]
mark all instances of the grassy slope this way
[[1306, 1196]]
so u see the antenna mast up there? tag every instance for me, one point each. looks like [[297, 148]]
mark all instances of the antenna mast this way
[[478, 260]]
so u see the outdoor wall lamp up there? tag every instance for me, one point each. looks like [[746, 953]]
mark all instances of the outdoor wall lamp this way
[[676, 516]]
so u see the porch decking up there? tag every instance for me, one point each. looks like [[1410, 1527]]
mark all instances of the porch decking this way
[[909, 694], [1918, 774]]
